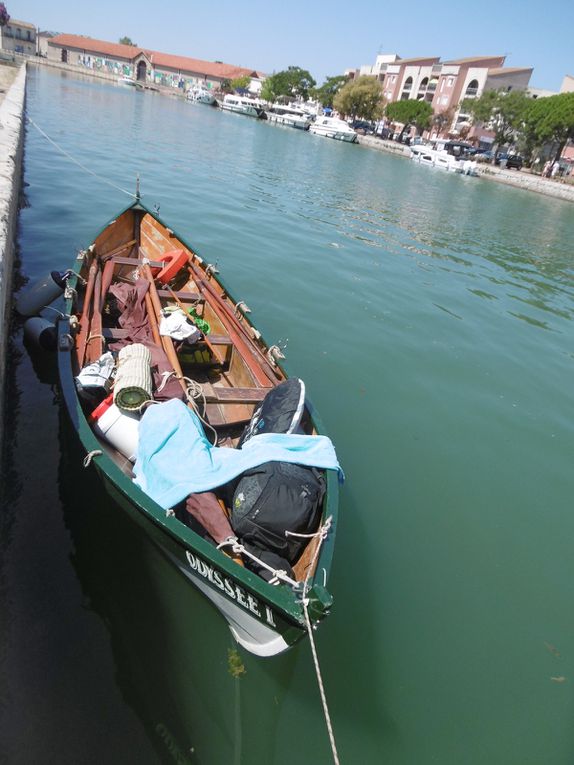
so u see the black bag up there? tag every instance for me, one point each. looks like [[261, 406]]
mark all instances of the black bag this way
[[280, 412], [273, 498]]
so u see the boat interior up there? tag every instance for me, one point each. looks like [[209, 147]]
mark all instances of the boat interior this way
[[224, 375]]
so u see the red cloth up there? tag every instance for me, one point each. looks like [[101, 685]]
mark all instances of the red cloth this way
[[130, 299]]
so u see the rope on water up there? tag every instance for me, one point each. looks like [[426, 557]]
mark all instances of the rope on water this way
[[322, 534], [279, 575], [73, 159]]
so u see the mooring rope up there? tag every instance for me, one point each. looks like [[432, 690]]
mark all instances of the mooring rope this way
[[322, 533], [77, 162], [279, 575]]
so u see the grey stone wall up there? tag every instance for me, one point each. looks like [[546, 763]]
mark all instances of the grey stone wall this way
[[11, 150], [521, 179]]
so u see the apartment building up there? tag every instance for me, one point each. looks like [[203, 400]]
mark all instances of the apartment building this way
[[444, 84], [18, 37]]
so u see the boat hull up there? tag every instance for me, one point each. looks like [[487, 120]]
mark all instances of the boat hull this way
[[300, 123], [337, 135]]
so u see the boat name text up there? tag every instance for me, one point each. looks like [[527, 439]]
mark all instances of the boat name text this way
[[230, 588]]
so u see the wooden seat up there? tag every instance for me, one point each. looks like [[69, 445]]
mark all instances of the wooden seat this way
[[218, 395]]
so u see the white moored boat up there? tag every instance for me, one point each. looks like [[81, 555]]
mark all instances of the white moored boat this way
[[447, 154], [332, 127], [440, 157], [290, 115], [130, 82], [201, 96], [251, 107]]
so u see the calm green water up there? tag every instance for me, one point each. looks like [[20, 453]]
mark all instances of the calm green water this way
[[431, 317]]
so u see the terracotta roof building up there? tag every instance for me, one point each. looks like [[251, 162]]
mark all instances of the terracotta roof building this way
[[147, 66]]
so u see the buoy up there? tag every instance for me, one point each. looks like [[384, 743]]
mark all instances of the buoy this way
[[41, 293], [41, 333]]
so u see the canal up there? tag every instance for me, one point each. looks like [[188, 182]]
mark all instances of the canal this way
[[432, 319]]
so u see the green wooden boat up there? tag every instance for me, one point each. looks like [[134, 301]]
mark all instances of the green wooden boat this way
[[234, 370]]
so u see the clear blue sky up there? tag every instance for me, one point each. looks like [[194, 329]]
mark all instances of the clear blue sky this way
[[326, 36]]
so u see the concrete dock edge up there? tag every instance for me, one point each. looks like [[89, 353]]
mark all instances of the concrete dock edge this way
[[11, 153], [519, 179]]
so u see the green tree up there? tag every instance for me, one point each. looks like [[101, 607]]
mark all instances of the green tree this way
[[442, 120], [549, 120], [329, 89], [127, 41], [410, 112], [292, 82], [500, 110], [241, 83], [360, 98]]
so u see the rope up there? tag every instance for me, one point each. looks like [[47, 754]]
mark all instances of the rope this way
[[90, 456], [278, 574], [321, 686], [93, 337], [194, 391], [322, 533], [73, 159]]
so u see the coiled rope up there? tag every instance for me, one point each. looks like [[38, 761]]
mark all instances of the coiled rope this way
[[77, 162], [194, 393]]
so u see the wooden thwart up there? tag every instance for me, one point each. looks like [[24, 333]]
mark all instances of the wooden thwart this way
[[218, 395]]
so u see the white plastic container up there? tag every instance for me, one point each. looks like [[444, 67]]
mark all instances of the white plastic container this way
[[120, 429]]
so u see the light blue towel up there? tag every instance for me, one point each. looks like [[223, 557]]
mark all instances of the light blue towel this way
[[175, 458]]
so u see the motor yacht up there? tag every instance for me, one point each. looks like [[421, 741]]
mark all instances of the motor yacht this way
[[251, 107], [332, 127], [289, 114]]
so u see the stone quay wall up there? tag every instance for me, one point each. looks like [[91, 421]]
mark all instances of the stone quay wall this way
[[11, 152], [521, 179]]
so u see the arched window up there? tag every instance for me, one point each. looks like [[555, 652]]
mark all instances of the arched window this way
[[407, 87], [472, 89], [422, 88]]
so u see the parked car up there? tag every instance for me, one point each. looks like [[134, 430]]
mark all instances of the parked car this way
[[363, 127], [483, 155], [509, 161]]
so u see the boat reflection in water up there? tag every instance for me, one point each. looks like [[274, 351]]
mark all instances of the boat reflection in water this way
[[177, 665]]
